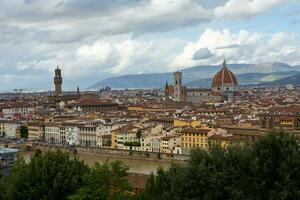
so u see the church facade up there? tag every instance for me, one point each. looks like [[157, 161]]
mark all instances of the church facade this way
[[224, 88]]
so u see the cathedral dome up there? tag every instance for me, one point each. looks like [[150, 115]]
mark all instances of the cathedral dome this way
[[224, 77]]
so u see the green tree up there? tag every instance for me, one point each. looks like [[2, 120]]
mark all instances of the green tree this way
[[104, 182], [269, 169], [139, 135], [48, 176], [24, 131]]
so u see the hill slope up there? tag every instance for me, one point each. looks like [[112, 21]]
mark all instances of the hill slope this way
[[200, 76], [294, 80]]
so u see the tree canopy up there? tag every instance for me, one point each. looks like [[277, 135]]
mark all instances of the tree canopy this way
[[105, 181], [269, 169], [48, 176]]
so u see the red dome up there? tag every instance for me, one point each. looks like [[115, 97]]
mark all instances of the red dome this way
[[224, 77]]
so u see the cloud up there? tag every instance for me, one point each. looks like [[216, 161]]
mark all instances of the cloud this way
[[240, 47], [202, 54], [70, 20], [244, 8], [231, 46], [94, 39], [130, 56]]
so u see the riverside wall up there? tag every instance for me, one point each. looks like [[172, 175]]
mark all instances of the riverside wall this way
[[121, 153]]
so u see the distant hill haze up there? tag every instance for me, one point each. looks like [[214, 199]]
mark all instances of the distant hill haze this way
[[201, 76]]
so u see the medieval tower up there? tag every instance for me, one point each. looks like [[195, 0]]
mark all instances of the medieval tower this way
[[178, 88], [58, 81]]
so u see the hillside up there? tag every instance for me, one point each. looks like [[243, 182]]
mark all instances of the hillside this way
[[200, 76], [294, 80]]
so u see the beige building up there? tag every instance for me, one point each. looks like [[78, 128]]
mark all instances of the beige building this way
[[88, 135], [169, 143], [36, 131], [194, 138]]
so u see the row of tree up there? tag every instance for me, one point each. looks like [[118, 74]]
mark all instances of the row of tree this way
[[269, 169], [54, 175]]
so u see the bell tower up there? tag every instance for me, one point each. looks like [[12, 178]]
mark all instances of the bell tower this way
[[58, 81], [178, 88]]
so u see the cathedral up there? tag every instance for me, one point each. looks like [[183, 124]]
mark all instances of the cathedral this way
[[224, 88]]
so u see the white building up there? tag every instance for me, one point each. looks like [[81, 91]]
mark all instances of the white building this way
[[9, 128], [52, 133], [87, 135], [72, 135], [155, 145], [10, 109]]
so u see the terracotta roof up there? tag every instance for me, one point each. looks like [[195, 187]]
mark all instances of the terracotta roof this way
[[227, 138], [237, 93], [216, 94], [192, 130], [224, 76]]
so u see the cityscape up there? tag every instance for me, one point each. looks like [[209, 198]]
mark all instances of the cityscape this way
[[113, 111]]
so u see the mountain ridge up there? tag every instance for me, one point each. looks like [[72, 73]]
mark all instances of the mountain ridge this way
[[200, 76]]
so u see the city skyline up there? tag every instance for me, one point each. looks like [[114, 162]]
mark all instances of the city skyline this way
[[93, 40]]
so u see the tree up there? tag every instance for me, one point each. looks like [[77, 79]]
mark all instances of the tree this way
[[105, 181], [269, 169], [139, 135], [24, 131], [48, 176]]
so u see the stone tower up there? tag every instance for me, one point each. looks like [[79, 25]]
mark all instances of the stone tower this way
[[78, 91], [178, 89], [58, 81], [167, 95]]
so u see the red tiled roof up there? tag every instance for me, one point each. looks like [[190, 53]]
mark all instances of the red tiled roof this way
[[216, 94], [224, 76]]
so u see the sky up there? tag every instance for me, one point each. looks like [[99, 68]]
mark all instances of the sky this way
[[91, 40]]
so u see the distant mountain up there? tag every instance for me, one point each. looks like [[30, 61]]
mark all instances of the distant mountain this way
[[294, 80], [200, 76], [247, 79]]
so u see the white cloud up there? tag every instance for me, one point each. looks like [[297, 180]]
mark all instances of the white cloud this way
[[244, 8], [130, 56], [97, 39], [241, 47], [99, 50], [71, 20]]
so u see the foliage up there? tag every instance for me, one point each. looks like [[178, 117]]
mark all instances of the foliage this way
[[158, 155], [24, 131], [132, 144], [147, 154], [50, 175], [269, 169], [105, 181], [139, 135]]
